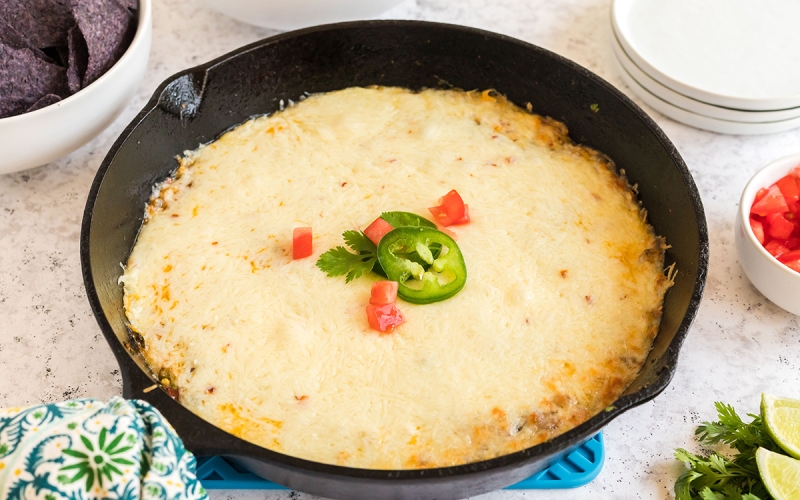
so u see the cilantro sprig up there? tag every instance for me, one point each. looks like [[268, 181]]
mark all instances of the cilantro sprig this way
[[339, 261], [718, 477]]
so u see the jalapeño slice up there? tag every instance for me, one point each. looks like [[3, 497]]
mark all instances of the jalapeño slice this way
[[426, 263], [406, 219], [402, 219]]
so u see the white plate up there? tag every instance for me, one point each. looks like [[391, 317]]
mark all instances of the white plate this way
[[693, 105], [700, 121], [740, 54]]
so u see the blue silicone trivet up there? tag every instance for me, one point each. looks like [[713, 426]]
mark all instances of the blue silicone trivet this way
[[577, 468]]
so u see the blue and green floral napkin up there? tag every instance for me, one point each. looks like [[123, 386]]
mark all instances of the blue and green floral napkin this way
[[89, 449]]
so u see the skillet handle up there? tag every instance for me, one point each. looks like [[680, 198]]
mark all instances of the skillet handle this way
[[183, 95], [134, 381], [198, 436]]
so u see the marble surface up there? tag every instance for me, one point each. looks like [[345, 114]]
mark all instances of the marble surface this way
[[740, 344]]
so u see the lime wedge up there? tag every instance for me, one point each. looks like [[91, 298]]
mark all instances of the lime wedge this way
[[781, 417], [781, 474]]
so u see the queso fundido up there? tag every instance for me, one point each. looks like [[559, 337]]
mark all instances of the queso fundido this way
[[558, 314]]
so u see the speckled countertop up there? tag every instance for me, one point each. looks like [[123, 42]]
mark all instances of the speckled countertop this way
[[740, 344]]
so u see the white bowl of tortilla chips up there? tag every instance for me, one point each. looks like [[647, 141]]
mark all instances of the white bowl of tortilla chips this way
[[55, 99]]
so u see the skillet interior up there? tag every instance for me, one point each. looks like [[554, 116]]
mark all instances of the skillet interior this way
[[196, 106]]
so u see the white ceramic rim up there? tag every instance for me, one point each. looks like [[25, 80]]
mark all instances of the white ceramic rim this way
[[755, 183], [145, 18], [694, 105], [273, 15], [619, 16], [701, 121]]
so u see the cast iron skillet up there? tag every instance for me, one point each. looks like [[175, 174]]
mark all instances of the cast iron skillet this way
[[197, 105]]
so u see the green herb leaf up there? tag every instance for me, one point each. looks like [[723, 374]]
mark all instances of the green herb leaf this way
[[359, 242], [731, 430], [339, 261], [406, 219], [718, 477]]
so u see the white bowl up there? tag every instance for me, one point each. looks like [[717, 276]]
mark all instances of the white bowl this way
[[289, 15], [32, 139], [776, 281]]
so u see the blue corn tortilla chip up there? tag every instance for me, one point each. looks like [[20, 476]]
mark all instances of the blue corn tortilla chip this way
[[108, 28], [77, 60], [130, 4], [45, 101], [63, 53], [10, 37], [24, 79], [44, 23]]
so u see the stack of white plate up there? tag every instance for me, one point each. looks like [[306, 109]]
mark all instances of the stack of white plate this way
[[729, 66]]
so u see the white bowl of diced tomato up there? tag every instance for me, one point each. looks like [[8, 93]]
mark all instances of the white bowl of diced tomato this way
[[768, 232]]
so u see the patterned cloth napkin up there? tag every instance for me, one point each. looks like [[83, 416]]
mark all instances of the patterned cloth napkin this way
[[88, 449]]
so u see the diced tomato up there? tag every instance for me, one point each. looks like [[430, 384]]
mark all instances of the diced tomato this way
[[383, 292], [763, 222], [772, 202], [301, 243], [451, 210], [384, 318], [788, 187], [794, 265], [465, 219], [780, 251], [758, 230], [777, 209], [776, 248], [789, 256], [377, 229], [779, 227]]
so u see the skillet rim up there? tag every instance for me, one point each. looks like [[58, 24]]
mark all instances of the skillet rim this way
[[513, 460]]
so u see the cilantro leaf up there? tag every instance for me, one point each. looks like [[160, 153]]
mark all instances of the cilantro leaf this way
[[339, 261], [731, 430], [406, 219], [718, 477], [359, 242], [714, 477]]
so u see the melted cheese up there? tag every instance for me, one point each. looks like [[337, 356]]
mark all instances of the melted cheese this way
[[558, 314]]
